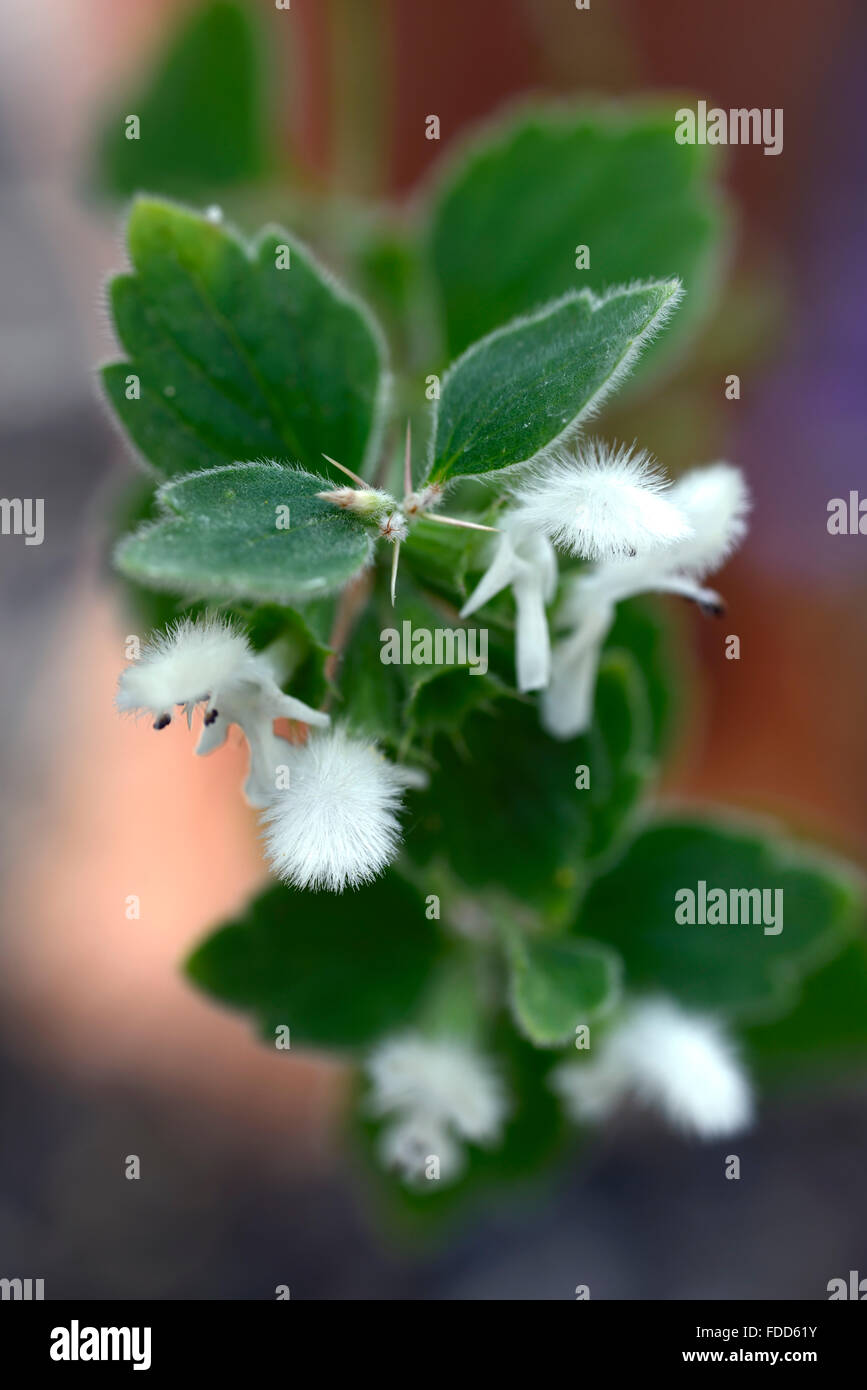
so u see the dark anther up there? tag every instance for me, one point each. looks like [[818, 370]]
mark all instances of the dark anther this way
[[211, 716], [163, 720], [713, 610]]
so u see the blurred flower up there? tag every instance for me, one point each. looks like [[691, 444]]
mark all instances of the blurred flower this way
[[435, 1093], [682, 1063]]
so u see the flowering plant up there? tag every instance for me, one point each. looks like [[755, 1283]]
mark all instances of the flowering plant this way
[[472, 902]]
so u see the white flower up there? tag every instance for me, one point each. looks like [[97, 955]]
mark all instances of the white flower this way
[[336, 822], [436, 1093], [567, 703], [715, 502], [210, 662], [682, 1063], [406, 1146], [601, 502], [525, 560]]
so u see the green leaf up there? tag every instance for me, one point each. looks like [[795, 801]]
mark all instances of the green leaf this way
[[527, 386], [557, 984], [220, 537], [742, 970], [827, 1029], [235, 357], [338, 970], [508, 216], [303, 636], [503, 809], [443, 703], [201, 118]]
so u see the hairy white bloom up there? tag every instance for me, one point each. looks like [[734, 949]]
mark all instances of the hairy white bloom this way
[[567, 702], [602, 501], [524, 560], [682, 1063], [336, 822], [715, 502], [406, 1146], [208, 661], [436, 1093], [182, 666]]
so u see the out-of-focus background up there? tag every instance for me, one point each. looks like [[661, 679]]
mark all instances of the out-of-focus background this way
[[105, 1051]]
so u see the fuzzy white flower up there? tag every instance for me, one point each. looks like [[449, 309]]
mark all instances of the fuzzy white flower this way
[[525, 561], [682, 1063], [210, 662], [715, 502], [406, 1147], [336, 822], [436, 1093], [602, 501]]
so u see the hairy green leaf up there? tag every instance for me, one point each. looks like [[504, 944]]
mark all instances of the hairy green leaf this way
[[201, 115], [558, 984], [527, 386], [337, 970], [224, 534], [236, 355], [746, 969], [509, 216], [827, 1027]]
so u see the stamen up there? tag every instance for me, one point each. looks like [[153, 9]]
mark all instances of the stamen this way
[[163, 721]]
